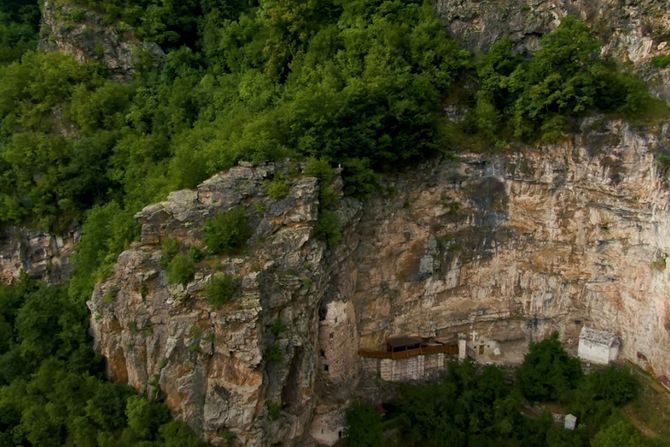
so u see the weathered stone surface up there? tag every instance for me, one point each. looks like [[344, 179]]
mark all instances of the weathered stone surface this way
[[540, 240], [84, 34], [631, 31], [40, 255], [212, 364]]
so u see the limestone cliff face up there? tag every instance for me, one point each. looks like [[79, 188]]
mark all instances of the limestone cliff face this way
[[247, 368], [631, 31], [85, 35], [508, 248]]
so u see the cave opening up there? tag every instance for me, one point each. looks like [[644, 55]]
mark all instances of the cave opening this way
[[290, 391]]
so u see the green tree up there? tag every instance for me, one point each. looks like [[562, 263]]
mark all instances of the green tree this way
[[548, 372], [228, 232], [180, 270], [364, 427]]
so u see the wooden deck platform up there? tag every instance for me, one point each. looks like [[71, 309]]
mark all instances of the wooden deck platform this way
[[450, 349]]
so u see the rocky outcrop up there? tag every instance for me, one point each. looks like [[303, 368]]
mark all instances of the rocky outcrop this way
[[631, 31], [38, 254], [84, 34], [247, 368]]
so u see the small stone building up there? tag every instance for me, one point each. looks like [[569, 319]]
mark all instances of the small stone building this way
[[337, 338], [596, 346]]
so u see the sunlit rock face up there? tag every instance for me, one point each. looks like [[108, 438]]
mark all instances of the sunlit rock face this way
[[508, 248]]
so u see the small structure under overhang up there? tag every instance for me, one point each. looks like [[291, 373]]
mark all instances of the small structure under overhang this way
[[598, 346]]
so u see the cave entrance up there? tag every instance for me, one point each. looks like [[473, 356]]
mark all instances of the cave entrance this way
[[290, 391]]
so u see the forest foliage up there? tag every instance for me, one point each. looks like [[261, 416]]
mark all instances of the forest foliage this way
[[356, 83], [53, 390], [479, 406]]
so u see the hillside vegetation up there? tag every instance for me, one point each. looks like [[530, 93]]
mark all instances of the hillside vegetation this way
[[359, 83], [485, 406]]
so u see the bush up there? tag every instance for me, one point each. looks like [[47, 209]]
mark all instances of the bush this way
[[615, 384], [169, 249], [195, 253], [228, 232], [548, 372], [328, 228], [278, 187], [181, 270], [662, 61], [221, 289]]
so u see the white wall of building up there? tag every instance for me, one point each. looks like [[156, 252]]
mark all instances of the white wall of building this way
[[593, 352]]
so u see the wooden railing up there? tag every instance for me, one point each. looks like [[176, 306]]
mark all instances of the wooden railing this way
[[423, 350]]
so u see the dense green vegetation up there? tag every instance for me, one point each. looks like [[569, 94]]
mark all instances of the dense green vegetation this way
[[548, 373], [486, 406], [228, 232], [536, 98], [52, 386], [359, 83], [19, 22], [220, 289]]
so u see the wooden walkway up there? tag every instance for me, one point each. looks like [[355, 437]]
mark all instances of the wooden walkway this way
[[423, 350]]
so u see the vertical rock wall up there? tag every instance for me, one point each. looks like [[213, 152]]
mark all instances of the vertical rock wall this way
[[502, 249], [508, 248]]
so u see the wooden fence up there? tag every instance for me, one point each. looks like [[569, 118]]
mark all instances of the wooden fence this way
[[423, 350]]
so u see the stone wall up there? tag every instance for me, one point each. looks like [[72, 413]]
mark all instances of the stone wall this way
[[337, 337], [421, 367]]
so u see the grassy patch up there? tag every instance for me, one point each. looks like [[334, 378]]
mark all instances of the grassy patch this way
[[650, 410]]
